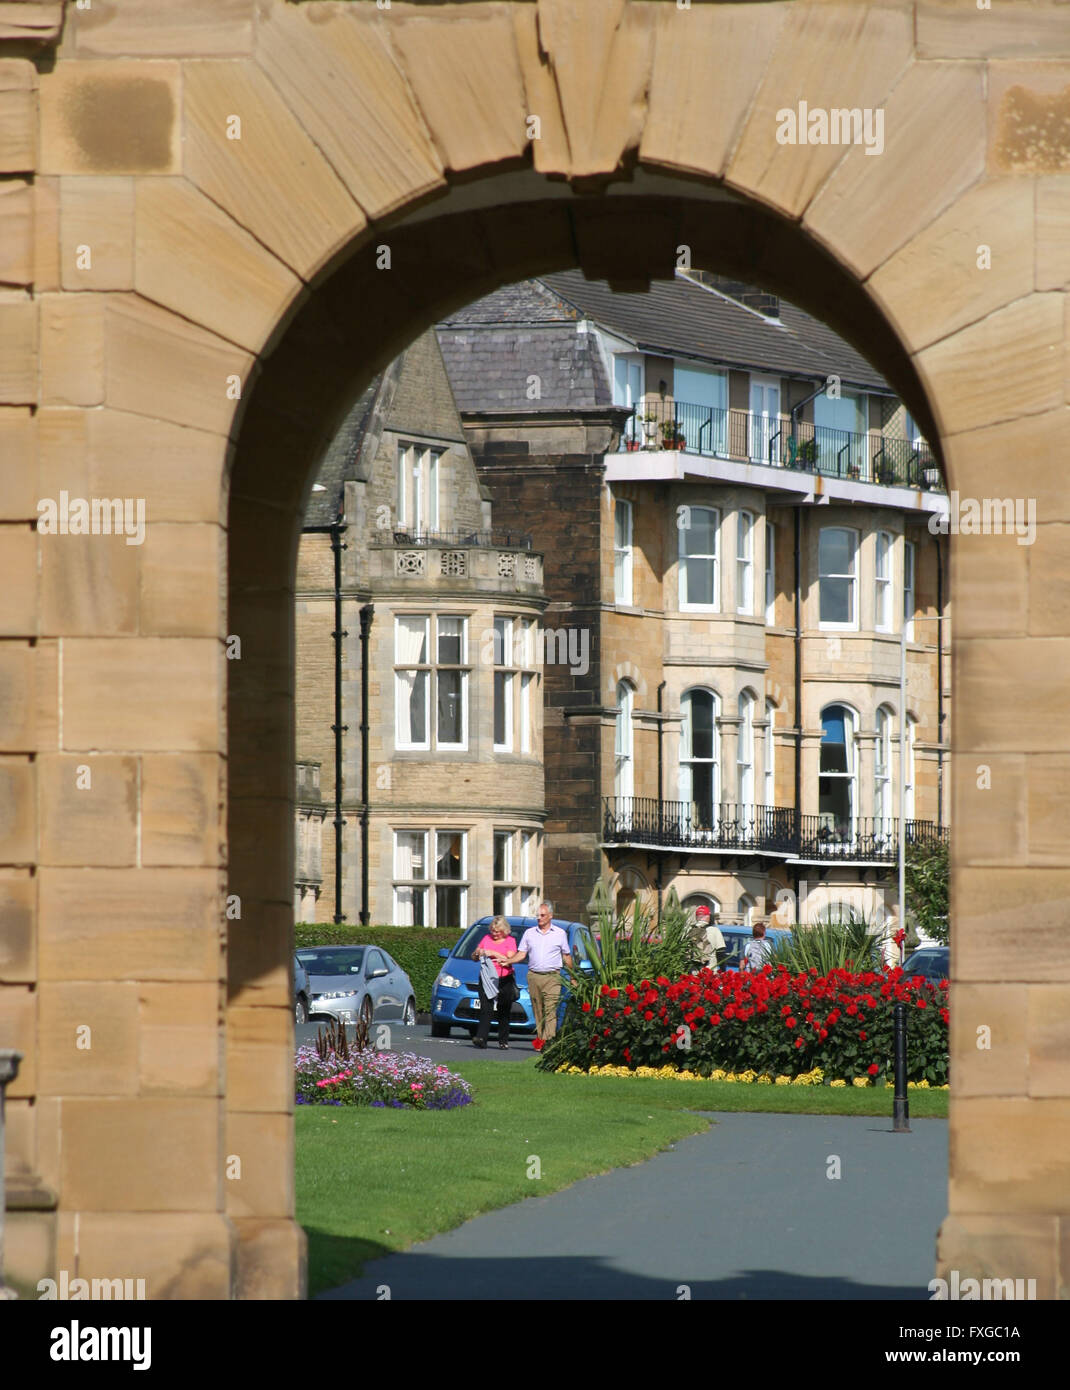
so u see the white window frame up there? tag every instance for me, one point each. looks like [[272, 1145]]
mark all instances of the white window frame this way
[[682, 557], [909, 600], [883, 809], [769, 769], [463, 668], [745, 751], [851, 575], [882, 582], [850, 739], [623, 553], [910, 788], [770, 573], [503, 666], [624, 743], [462, 884], [745, 562], [687, 760], [410, 883], [418, 474], [403, 667]]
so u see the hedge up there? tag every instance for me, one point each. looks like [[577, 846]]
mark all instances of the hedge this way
[[769, 1021], [414, 948]]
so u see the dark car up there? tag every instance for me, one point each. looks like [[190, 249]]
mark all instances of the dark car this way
[[736, 938], [455, 993], [302, 992], [933, 962]]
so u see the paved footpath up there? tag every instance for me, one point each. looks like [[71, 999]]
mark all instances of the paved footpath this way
[[745, 1211]]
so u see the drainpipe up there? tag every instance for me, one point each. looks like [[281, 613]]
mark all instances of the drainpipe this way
[[939, 683], [661, 730], [798, 703], [366, 614], [338, 728]]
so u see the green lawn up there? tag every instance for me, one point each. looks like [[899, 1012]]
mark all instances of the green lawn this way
[[373, 1181]]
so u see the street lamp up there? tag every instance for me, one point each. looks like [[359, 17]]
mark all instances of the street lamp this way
[[902, 856], [9, 1069]]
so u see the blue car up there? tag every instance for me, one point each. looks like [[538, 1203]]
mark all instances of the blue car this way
[[736, 938], [455, 993]]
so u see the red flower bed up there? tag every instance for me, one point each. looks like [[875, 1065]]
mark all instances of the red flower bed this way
[[768, 1021]]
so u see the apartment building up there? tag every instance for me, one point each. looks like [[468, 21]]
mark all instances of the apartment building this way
[[736, 507], [420, 796]]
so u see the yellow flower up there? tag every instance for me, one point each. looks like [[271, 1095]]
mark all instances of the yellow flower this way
[[860, 1081], [783, 1081], [837, 1083]]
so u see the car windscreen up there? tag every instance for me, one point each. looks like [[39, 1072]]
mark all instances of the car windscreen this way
[[932, 964], [333, 961], [474, 935]]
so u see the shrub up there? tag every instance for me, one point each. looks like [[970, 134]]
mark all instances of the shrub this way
[[842, 940], [770, 1021], [927, 873], [631, 945], [414, 948], [339, 1074]]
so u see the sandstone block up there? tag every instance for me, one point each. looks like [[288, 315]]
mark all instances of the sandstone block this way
[[550, 150], [264, 1144], [88, 810], [948, 29], [160, 365], [1009, 1156], [989, 1039], [149, 693], [117, 117], [18, 465], [990, 821], [130, 924], [182, 818], [165, 28], [18, 115], [193, 258], [97, 233], [1049, 581], [990, 580], [259, 948], [18, 580], [89, 585], [46, 701], [61, 454], [693, 123], [1011, 924], [141, 1155], [1004, 1246], [72, 350], [260, 1047], [272, 1259], [18, 1029], [273, 180], [18, 814], [1053, 245], [1028, 109], [1047, 803], [1049, 1040], [1008, 365], [463, 65], [182, 588], [977, 461], [87, 1038], [937, 283], [46, 258], [181, 1039], [365, 120], [178, 471], [18, 349], [873, 47], [16, 232], [31, 21], [17, 698], [189, 1255], [993, 668]]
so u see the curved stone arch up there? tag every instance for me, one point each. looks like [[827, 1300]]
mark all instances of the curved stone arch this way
[[254, 262], [628, 671]]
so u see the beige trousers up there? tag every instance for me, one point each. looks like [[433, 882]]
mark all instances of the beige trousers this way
[[545, 992]]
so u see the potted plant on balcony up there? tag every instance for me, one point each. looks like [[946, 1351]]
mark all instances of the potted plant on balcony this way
[[650, 429], [672, 436], [808, 451], [853, 470]]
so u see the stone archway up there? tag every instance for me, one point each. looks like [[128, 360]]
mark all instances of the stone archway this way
[[244, 259]]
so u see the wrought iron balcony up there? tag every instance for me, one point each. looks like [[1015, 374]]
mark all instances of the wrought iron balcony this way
[[711, 432], [644, 820], [488, 540]]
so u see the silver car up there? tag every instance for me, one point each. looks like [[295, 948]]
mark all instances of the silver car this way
[[351, 982]]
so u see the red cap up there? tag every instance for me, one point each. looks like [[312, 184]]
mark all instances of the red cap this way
[[702, 911]]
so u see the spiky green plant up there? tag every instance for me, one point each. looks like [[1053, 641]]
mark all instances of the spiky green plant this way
[[841, 938]]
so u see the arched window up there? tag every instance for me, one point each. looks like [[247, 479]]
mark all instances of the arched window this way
[[837, 797], [745, 909], [697, 528], [745, 752], [700, 753], [769, 790], [624, 764], [883, 810], [630, 885], [694, 900]]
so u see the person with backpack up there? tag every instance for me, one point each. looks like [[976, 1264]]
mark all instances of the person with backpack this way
[[756, 951]]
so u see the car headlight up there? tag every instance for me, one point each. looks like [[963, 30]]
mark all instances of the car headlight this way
[[449, 982], [335, 994]]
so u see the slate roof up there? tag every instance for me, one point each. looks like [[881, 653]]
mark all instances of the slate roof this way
[[339, 462], [493, 346]]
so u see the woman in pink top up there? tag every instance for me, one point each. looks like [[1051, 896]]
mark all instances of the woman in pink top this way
[[497, 946]]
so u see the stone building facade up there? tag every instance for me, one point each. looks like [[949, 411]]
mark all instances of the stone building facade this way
[[449, 609], [665, 447]]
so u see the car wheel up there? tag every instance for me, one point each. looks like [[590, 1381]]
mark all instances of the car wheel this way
[[439, 1030], [408, 1018], [366, 1010], [301, 1011]]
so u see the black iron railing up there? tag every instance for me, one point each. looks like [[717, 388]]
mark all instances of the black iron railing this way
[[492, 540], [644, 820], [713, 432]]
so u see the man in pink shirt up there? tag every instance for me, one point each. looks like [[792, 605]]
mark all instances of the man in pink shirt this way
[[545, 948]]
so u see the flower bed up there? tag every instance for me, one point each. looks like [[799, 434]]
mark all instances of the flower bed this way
[[767, 1022], [745, 1078], [399, 1081]]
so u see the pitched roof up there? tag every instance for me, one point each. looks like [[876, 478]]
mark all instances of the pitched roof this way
[[339, 462], [495, 346]]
